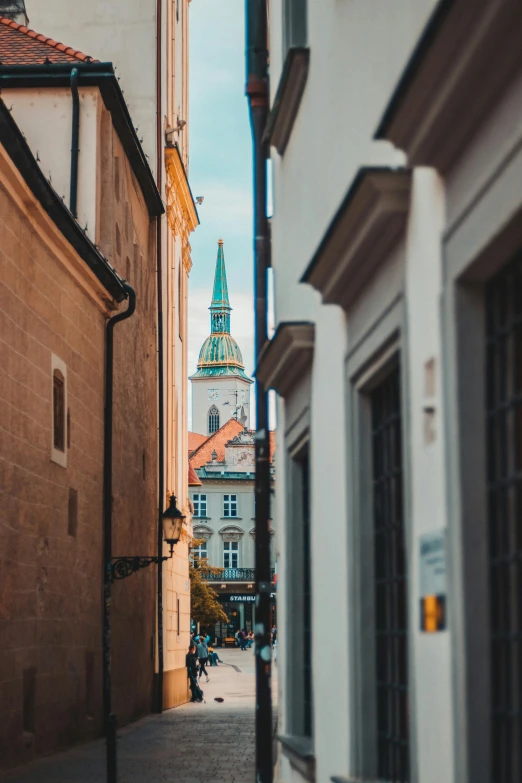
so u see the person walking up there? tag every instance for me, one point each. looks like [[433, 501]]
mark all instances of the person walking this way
[[202, 651], [191, 663]]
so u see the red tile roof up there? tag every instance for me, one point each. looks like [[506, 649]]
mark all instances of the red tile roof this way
[[21, 46], [195, 440], [216, 442], [193, 480]]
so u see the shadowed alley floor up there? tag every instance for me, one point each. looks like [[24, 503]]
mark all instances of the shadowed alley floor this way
[[195, 743]]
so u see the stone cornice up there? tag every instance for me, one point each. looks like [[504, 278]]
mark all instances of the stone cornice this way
[[181, 210], [368, 225], [287, 356], [467, 54]]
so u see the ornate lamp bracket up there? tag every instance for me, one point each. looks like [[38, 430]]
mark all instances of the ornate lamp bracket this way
[[121, 567]]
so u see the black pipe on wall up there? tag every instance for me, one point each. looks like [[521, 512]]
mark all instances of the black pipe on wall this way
[[258, 98], [109, 718], [75, 141]]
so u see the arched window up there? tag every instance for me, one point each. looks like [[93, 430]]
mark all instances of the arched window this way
[[213, 420]]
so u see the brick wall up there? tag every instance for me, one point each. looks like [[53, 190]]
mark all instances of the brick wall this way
[[50, 633], [51, 516]]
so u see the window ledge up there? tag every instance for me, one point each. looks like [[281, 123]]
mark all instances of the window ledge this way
[[342, 779], [300, 753], [288, 98], [227, 518]]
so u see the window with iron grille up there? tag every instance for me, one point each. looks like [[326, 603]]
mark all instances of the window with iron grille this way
[[307, 602], [200, 505], [230, 505], [391, 624], [213, 420], [504, 474]]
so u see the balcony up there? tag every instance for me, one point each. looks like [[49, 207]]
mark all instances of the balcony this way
[[233, 575]]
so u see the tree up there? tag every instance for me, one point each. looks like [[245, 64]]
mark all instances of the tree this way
[[204, 605]]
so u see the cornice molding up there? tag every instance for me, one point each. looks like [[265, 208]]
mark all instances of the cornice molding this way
[[287, 356], [467, 54], [181, 210], [366, 228]]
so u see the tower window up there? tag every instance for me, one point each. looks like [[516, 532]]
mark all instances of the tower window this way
[[213, 420]]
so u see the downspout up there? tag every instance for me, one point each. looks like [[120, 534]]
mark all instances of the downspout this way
[[75, 140], [109, 717], [257, 94], [161, 416]]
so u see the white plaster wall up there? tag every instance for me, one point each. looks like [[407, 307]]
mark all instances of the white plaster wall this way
[[329, 542], [431, 670], [227, 387], [122, 32], [357, 52], [45, 118]]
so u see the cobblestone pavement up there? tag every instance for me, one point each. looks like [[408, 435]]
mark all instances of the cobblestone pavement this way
[[194, 743]]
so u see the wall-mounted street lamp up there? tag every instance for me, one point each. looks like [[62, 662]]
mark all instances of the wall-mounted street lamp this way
[[173, 520]]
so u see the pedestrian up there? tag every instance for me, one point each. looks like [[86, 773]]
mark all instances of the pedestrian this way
[[242, 640], [192, 670], [274, 635], [202, 651], [213, 656]]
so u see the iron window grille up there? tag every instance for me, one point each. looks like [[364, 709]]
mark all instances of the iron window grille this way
[[200, 505], [213, 420], [504, 476], [307, 601], [390, 575], [230, 505]]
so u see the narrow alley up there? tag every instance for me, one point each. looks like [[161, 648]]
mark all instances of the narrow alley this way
[[195, 743]]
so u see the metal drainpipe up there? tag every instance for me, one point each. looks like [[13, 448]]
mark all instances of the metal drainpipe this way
[[161, 417], [109, 717], [257, 94], [75, 139]]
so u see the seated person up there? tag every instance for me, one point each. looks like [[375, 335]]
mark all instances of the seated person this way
[[213, 656]]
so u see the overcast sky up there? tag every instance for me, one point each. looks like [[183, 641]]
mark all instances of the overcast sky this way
[[220, 170]]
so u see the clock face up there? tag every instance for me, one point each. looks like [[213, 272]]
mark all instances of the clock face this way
[[243, 396], [213, 394]]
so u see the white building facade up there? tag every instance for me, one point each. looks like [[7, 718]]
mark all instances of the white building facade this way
[[396, 253]]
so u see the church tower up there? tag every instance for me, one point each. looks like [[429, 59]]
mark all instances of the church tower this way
[[220, 387]]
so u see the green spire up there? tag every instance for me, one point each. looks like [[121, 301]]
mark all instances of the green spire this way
[[220, 305]]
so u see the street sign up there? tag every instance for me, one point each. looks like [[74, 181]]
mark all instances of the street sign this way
[[433, 586]]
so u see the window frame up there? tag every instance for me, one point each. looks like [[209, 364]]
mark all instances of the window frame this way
[[213, 419], [230, 503], [195, 554], [230, 551], [59, 372], [197, 499]]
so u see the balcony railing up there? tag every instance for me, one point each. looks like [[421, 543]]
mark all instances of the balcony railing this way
[[233, 575]]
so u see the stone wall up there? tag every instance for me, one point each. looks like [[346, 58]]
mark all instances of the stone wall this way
[[51, 515], [50, 564]]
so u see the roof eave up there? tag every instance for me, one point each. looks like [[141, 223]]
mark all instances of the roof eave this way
[[449, 84], [18, 150], [101, 75]]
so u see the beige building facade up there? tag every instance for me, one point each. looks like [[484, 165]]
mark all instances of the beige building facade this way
[[58, 290], [147, 41]]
